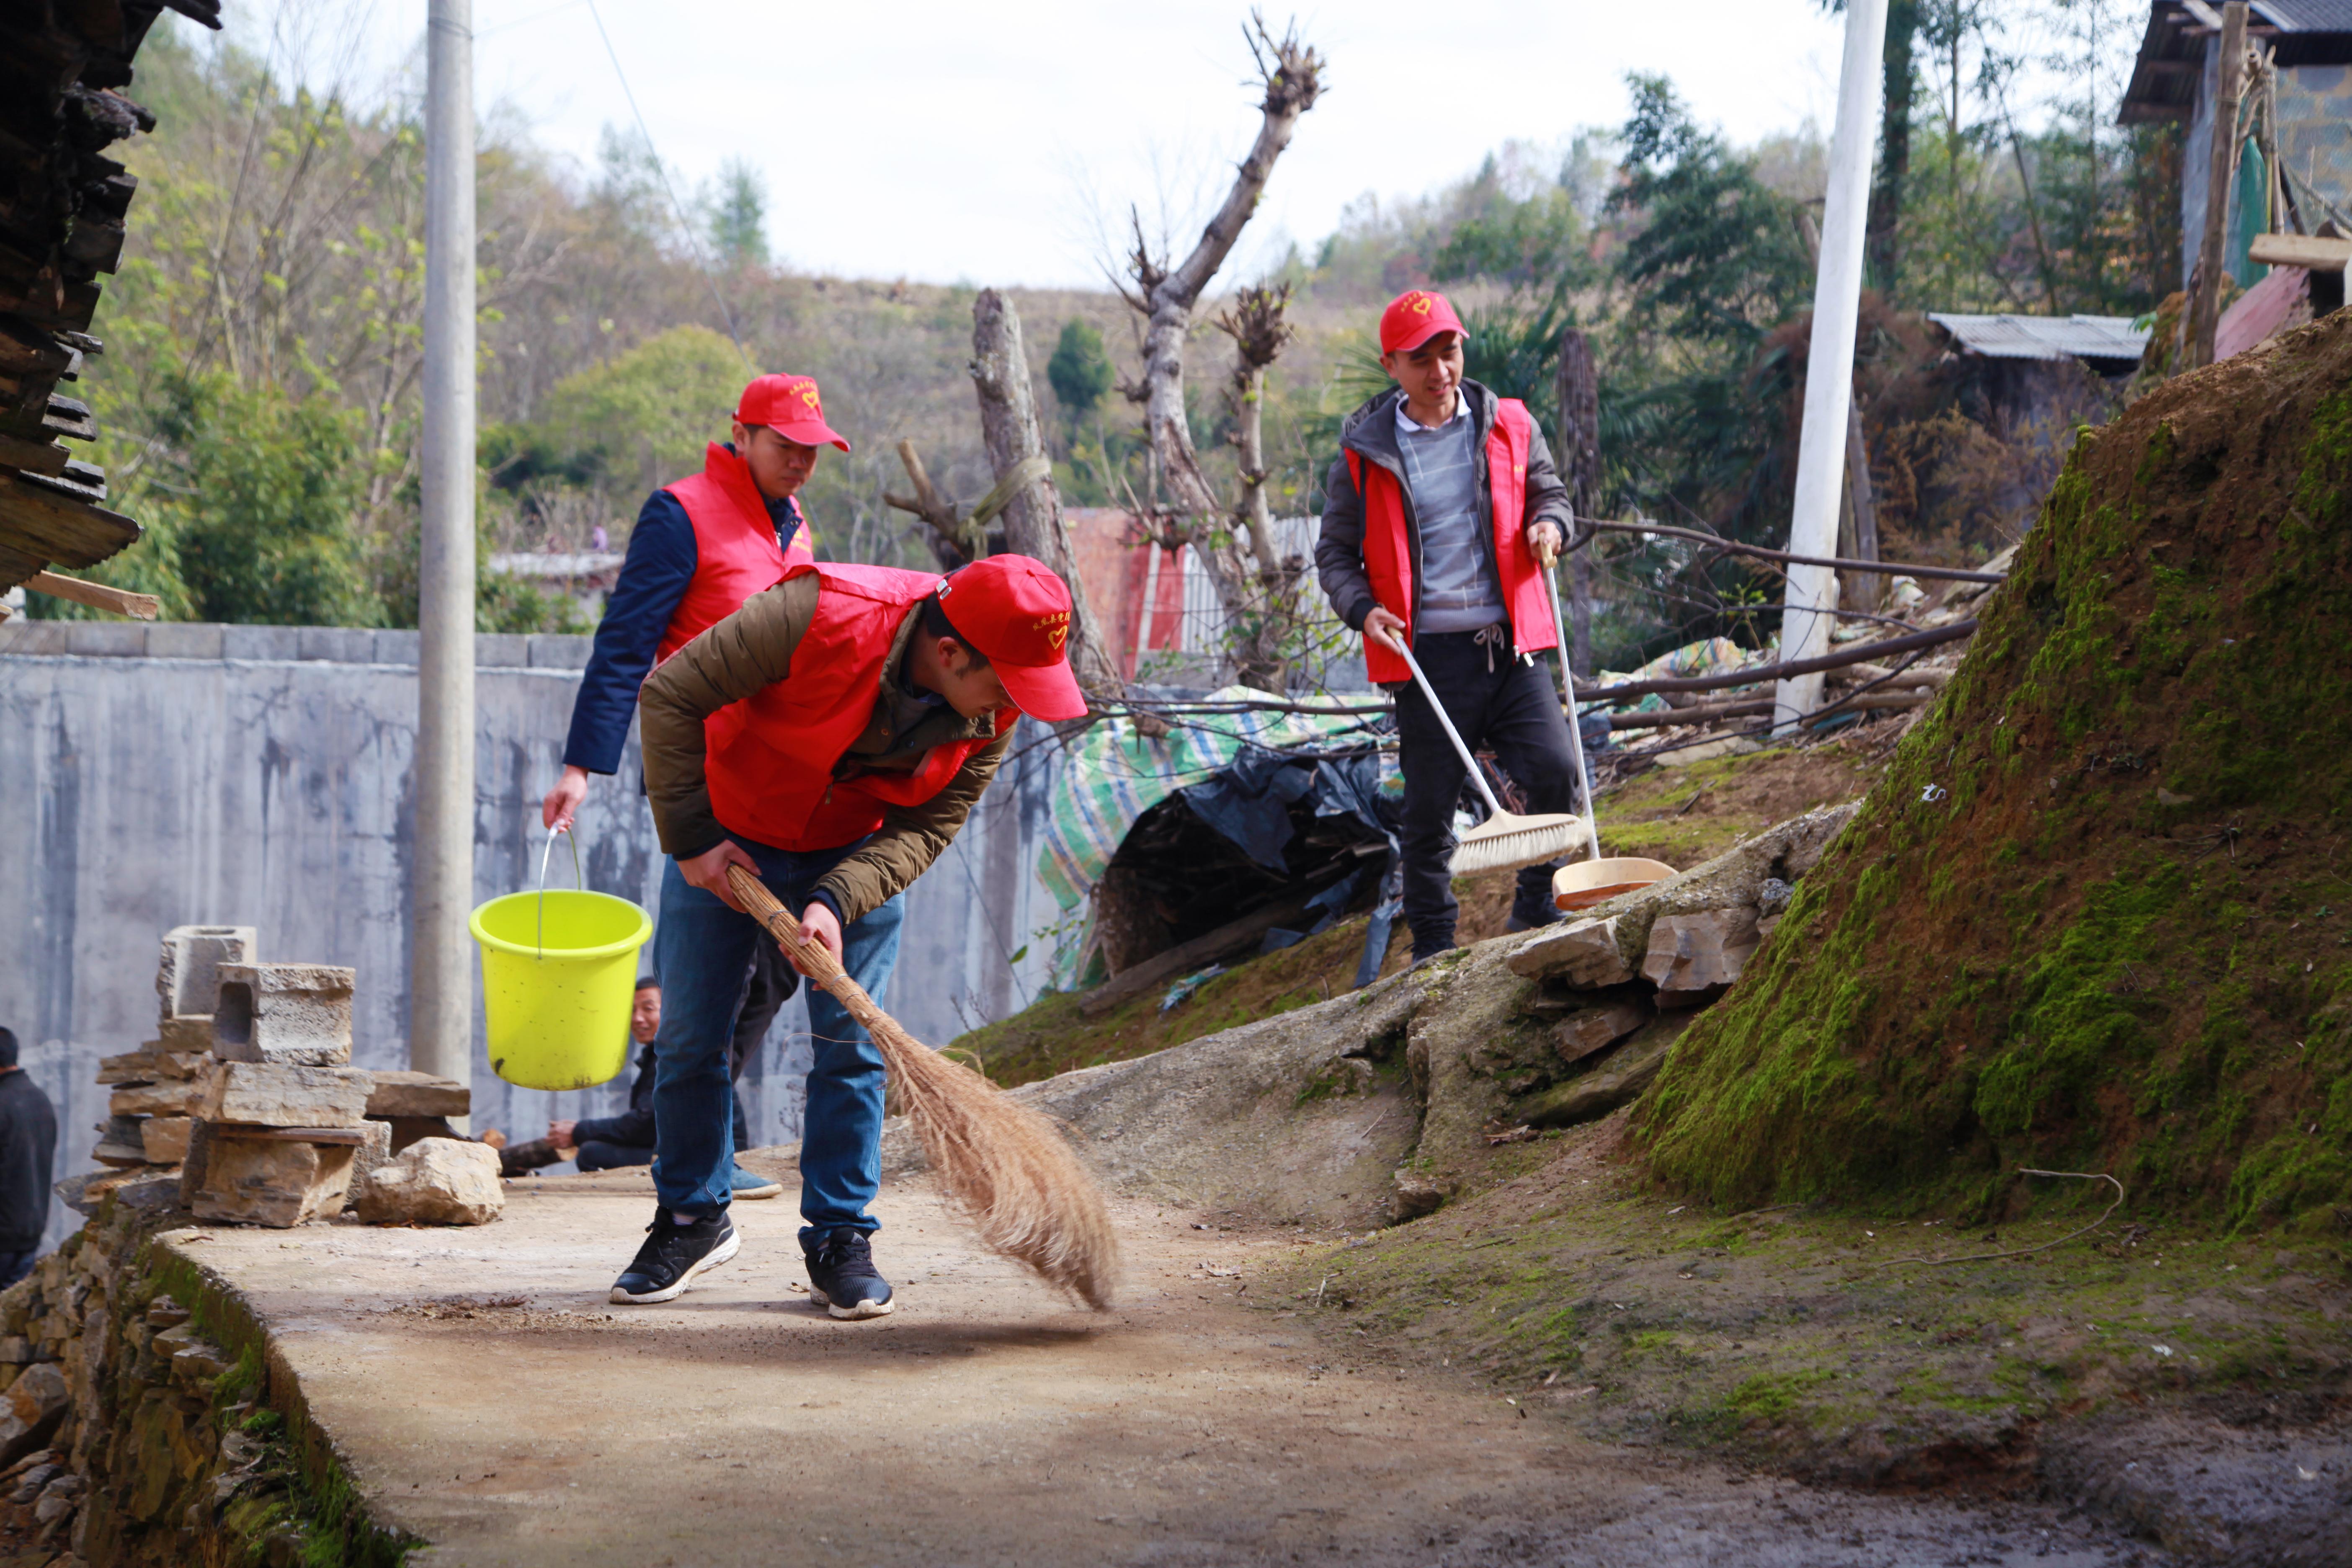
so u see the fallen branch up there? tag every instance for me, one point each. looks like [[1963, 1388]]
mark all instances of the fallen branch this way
[[1763, 673], [2044, 1246], [1885, 568]]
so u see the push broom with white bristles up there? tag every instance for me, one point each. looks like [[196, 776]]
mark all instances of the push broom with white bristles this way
[[1503, 838]]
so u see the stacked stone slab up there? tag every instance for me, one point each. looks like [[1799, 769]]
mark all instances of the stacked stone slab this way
[[279, 1116], [151, 1110]]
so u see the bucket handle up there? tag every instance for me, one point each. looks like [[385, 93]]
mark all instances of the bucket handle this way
[[564, 832]]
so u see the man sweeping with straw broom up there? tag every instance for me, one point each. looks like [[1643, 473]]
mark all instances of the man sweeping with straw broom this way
[[817, 749], [1443, 509]]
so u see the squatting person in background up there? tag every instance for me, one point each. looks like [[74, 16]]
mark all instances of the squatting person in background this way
[[614, 1142], [1440, 502], [831, 737], [702, 546]]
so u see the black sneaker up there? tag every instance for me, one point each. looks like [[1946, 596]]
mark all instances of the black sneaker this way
[[673, 1255], [842, 1276]]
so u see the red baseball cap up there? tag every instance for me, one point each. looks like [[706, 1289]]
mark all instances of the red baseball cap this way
[[1016, 614], [788, 405], [1413, 318]]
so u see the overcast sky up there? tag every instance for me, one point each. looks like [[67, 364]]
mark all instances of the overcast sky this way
[[951, 142]]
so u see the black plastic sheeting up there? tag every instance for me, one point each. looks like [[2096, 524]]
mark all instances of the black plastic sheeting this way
[[1253, 801]]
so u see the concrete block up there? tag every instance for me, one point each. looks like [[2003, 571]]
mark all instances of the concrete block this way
[[183, 639], [24, 636], [295, 1014], [166, 1139], [336, 645], [396, 648], [269, 1181], [270, 1095], [261, 642], [554, 650], [501, 650], [1694, 958], [188, 978], [417, 1094], [106, 640], [441, 1181]]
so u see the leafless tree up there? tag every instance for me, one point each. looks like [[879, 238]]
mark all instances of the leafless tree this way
[[1235, 541]]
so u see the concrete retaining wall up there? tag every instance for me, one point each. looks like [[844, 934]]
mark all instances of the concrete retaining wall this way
[[171, 775]]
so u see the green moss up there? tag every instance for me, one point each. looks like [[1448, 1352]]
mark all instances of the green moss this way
[[2052, 966]]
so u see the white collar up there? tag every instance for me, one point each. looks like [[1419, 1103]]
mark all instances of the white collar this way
[[1408, 426]]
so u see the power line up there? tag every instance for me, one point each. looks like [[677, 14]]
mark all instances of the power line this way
[[662, 168]]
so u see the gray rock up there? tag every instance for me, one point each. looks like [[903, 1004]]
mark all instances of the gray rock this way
[[1580, 1034], [269, 1181], [418, 1094], [269, 1095], [1585, 952], [1300, 1118], [35, 1402], [1617, 1081], [435, 1181], [1694, 958]]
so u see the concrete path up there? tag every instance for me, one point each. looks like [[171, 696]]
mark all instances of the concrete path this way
[[489, 1399]]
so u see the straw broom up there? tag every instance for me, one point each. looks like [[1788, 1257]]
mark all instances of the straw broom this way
[[1004, 1164]]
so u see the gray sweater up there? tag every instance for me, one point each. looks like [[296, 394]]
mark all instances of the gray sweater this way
[[1371, 432]]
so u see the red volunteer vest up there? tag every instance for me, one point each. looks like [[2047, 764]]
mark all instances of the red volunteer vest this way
[[771, 756], [1388, 555], [735, 554]]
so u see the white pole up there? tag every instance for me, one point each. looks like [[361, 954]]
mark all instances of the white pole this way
[[441, 965], [1811, 601]]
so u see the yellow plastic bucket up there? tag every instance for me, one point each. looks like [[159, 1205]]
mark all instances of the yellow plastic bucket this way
[[559, 976]]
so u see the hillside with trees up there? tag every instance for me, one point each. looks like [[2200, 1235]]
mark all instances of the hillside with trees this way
[[259, 403]]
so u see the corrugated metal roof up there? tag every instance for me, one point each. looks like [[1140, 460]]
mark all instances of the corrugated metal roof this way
[[2307, 15], [2045, 337]]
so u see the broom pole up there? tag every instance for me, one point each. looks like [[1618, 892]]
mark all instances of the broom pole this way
[[1477, 777], [814, 959], [1545, 554]]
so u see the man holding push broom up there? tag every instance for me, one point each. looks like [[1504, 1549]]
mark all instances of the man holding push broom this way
[[1442, 510], [830, 737]]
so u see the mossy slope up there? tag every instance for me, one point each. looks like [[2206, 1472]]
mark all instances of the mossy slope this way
[[2095, 914]]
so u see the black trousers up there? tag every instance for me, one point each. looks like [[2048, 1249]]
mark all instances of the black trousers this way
[[1498, 702]]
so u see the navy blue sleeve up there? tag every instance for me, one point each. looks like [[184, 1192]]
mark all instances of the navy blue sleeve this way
[[653, 577]]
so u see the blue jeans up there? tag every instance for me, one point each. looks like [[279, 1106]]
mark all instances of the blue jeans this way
[[702, 951]]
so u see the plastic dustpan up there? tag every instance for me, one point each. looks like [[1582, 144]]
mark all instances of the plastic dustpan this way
[[1589, 882]]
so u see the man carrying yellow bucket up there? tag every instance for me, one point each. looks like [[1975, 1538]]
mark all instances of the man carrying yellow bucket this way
[[702, 546], [832, 737]]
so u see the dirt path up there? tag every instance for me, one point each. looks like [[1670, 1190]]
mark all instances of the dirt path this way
[[488, 1398]]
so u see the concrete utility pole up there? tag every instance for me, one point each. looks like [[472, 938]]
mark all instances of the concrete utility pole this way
[[2205, 308], [441, 960], [1808, 612]]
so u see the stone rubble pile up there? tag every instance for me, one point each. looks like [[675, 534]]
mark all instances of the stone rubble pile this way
[[245, 1108], [1623, 982]]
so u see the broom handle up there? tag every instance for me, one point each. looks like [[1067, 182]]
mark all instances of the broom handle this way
[[1568, 690], [816, 960], [1452, 734]]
